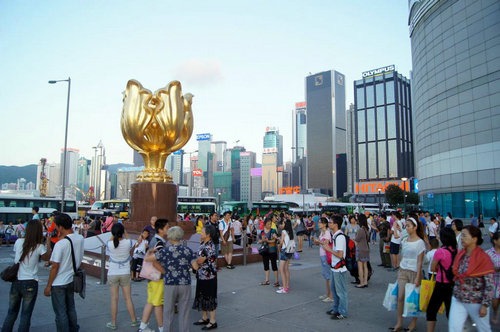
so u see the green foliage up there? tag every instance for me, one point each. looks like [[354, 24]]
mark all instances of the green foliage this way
[[394, 195], [412, 198]]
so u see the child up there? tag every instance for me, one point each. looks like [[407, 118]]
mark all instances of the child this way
[[140, 248], [429, 256]]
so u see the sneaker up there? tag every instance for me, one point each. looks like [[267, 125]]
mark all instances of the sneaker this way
[[327, 300], [135, 323], [146, 329], [332, 313], [322, 297], [111, 326], [338, 317], [282, 291]]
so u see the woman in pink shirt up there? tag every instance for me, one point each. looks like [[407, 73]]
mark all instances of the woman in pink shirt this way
[[442, 264]]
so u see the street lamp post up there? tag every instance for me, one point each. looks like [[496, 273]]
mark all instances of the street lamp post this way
[[379, 201], [65, 141], [404, 196]]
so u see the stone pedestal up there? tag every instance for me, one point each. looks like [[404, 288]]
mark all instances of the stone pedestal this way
[[149, 199]]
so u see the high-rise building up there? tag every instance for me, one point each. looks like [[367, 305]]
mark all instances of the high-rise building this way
[[456, 105], [72, 156], [272, 160], [300, 131], [256, 184], [236, 172], [83, 179], [383, 148], [326, 134], [174, 166], [138, 160], [247, 162], [218, 148]]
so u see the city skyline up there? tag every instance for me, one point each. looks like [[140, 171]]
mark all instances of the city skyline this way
[[245, 63]]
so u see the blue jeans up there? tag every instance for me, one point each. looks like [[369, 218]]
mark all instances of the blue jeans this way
[[63, 303], [25, 291], [338, 285]]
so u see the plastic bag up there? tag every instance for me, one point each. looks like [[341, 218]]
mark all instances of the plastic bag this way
[[391, 297], [412, 301]]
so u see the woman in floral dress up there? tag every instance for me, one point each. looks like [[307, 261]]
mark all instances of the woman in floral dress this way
[[206, 279]]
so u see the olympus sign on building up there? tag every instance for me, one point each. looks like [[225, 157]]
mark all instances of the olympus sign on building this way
[[378, 71]]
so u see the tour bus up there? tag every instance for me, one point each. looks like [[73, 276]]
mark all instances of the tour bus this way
[[18, 208], [263, 208], [196, 205]]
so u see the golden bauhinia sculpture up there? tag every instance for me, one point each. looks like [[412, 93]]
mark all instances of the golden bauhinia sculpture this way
[[155, 125]]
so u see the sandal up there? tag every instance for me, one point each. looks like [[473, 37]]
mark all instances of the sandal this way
[[265, 283], [276, 284]]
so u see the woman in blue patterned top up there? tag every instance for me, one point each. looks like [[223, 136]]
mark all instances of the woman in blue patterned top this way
[[206, 279], [176, 261]]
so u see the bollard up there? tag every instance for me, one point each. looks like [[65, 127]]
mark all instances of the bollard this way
[[244, 244], [103, 264]]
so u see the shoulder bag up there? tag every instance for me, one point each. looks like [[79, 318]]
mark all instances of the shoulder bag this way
[[9, 274], [79, 277]]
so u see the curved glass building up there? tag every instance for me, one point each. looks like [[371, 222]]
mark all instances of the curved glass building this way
[[456, 104]]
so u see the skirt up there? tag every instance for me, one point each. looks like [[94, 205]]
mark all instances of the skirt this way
[[206, 295]]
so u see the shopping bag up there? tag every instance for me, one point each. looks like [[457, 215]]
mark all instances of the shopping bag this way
[[426, 290], [148, 271], [391, 297], [412, 301]]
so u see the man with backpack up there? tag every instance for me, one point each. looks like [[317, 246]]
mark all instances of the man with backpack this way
[[339, 270]]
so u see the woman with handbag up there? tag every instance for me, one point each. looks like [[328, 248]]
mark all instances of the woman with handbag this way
[[442, 264], [119, 275], [268, 238], [23, 291], [206, 279]]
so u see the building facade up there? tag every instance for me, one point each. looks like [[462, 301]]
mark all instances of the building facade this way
[[247, 162], [456, 92], [326, 133], [383, 144]]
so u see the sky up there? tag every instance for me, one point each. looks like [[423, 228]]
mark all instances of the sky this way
[[245, 62]]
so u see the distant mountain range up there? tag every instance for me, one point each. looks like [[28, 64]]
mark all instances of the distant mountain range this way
[[10, 174]]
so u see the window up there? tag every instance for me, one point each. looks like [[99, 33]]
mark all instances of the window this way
[[391, 122], [362, 161], [372, 161], [370, 124], [361, 126], [382, 160], [369, 96], [379, 93], [360, 97], [393, 158], [389, 88], [381, 123]]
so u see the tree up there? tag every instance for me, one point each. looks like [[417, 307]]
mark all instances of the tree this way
[[412, 198], [394, 195]]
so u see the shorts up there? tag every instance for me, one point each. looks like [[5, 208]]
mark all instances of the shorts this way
[[156, 290], [406, 276], [394, 248], [227, 248], [119, 280], [325, 268], [284, 256], [136, 264]]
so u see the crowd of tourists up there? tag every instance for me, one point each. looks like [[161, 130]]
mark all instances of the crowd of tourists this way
[[416, 246]]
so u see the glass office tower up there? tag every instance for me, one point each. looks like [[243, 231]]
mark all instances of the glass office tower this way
[[326, 134], [383, 130]]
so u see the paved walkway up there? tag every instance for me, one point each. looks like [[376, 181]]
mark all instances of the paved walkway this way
[[244, 305]]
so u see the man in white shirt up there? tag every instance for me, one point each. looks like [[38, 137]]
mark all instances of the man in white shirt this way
[[338, 281], [60, 284]]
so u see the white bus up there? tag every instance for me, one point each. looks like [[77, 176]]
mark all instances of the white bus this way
[[17, 208]]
